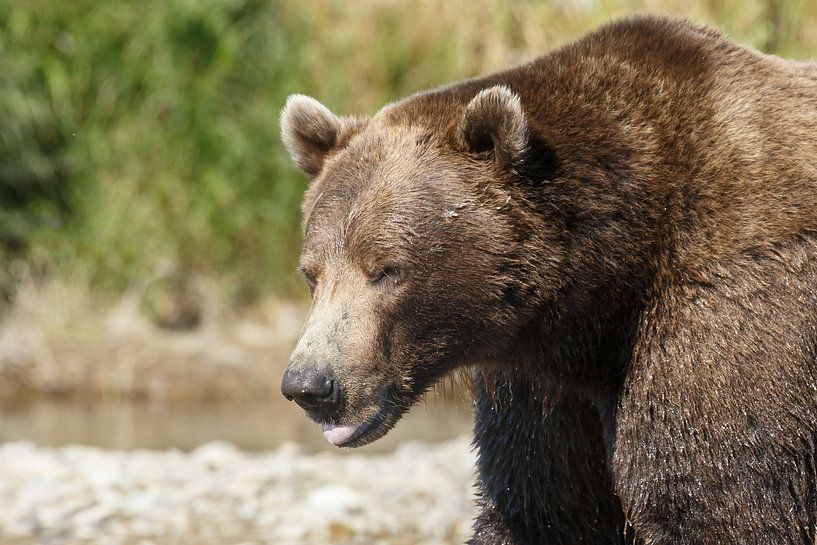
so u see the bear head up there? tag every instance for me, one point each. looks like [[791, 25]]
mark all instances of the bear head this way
[[422, 250]]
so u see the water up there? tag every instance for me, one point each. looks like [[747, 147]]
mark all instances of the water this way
[[252, 426]]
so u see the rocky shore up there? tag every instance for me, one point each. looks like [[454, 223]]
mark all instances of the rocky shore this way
[[419, 494]]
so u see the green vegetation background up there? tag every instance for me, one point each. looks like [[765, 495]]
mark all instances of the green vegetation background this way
[[142, 136]]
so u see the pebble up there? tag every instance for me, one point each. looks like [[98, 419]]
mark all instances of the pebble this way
[[217, 494]]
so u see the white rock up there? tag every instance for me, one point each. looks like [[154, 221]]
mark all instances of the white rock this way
[[95, 515], [218, 494], [335, 500], [215, 453]]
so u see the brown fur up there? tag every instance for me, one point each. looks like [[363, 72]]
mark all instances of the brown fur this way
[[622, 234]]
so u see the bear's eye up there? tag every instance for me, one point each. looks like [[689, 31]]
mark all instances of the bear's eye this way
[[383, 274], [309, 278]]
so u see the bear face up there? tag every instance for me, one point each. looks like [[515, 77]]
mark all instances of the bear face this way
[[406, 252]]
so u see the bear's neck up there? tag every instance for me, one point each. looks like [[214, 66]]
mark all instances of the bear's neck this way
[[583, 343]]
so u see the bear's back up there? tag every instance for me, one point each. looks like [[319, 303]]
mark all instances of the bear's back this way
[[720, 139], [732, 132]]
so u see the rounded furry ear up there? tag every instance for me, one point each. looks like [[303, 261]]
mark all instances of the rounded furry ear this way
[[310, 131], [494, 121]]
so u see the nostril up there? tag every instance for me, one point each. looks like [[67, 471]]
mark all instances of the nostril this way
[[328, 387], [319, 391], [334, 392]]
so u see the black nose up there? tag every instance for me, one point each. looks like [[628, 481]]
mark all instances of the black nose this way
[[310, 390]]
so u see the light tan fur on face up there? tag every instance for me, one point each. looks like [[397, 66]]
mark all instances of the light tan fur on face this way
[[340, 332]]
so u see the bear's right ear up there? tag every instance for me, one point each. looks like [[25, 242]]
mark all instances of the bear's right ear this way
[[310, 131], [494, 121]]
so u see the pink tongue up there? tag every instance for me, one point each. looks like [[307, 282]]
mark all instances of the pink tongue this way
[[337, 435]]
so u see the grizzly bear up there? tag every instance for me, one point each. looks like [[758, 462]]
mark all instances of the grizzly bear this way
[[620, 238]]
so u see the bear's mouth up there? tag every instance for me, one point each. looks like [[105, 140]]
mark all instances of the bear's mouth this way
[[373, 428]]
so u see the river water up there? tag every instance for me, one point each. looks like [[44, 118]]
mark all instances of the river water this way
[[256, 426]]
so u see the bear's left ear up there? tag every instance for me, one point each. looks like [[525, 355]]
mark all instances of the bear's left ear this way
[[494, 121], [310, 131]]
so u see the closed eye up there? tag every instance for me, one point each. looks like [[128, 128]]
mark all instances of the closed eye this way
[[309, 278], [384, 274]]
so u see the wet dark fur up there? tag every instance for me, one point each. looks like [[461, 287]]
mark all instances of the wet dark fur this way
[[648, 329]]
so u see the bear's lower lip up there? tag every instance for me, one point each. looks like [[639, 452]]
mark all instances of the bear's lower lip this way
[[356, 435], [338, 435]]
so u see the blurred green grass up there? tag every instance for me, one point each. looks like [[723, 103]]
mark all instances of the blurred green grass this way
[[141, 136]]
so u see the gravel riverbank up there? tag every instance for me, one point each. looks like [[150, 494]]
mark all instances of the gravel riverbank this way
[[419, 494]]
